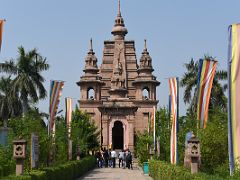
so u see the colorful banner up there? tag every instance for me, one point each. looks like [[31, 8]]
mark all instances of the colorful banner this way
[[207, 69], [234, 96], [1, 32], [174, 88], [169, 110], [55, 93], [68, 117]]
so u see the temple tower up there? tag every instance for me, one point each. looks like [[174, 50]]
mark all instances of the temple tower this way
[[124, 92]]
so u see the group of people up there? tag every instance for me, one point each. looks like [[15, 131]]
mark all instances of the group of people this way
[[107, 158]]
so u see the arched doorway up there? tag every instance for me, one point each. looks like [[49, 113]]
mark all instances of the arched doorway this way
[[117, 135]]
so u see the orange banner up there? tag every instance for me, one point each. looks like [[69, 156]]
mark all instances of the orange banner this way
[[1, 32]]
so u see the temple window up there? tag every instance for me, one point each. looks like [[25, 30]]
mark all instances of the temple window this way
[[145, 93], [90, 94]]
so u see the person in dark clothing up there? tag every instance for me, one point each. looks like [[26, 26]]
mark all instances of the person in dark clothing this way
[[99, 159], [106, 157], [129, 160]]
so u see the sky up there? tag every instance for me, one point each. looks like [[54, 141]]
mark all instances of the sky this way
[[176, 31]]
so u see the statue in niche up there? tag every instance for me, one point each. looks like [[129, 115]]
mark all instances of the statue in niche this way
[[122, 83], [117, 82], [120, 67]]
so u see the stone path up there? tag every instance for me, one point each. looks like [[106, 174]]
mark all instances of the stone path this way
[[116, 174]]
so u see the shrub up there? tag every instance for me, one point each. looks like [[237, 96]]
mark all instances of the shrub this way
[[163, 170], [69, 170]]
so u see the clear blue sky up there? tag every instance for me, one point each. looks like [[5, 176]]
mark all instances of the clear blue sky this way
[[176, 32]]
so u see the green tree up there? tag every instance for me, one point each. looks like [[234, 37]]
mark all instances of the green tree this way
[[143, 142], [214, 141], [190, 80], [28, 81], [10, 105], [84, 132], [24, 126], [163, 130]]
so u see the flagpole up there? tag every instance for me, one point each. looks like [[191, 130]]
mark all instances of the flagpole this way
[[230, 144], [177, 120], [154, 129]]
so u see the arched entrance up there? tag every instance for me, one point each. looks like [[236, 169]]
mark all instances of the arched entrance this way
[[117, 135]]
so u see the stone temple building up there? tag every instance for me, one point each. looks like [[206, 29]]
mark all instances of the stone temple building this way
[[120, 94]]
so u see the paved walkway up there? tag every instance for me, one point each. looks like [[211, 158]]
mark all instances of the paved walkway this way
[[116, 174]]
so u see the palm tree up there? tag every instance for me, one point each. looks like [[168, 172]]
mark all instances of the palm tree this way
[[10, 105], [28, 81], [190, 80]]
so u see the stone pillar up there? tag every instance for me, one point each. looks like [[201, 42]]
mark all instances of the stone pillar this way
[[192, 154], [69, 149], [158, 146], [78, 150], [194, 165], [105, 131], [131, 133], [19, 153], [19, 167]]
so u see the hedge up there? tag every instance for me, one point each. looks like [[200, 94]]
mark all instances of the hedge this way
[[163, 170], [7, 169], [68, 170]]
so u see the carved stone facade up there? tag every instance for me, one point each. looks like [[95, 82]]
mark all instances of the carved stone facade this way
[[120, 94]]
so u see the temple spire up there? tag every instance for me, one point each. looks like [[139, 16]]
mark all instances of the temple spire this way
[[119, 31], [145, 45], [119, 8], [91, 46]]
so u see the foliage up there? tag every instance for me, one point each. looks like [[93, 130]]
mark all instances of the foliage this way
[[144, 142], [10, 105], [28, 81], [163, 170], [84, 132], [163, 131], [68, 170], [23, 127], [7, 164], [61, 141], [214, 142], [190, 80]]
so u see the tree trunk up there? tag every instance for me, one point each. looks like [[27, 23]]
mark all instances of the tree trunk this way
[[25, 105], [5, 123]]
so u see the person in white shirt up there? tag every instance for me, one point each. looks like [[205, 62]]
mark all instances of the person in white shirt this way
[[113, 156], [120, 158]]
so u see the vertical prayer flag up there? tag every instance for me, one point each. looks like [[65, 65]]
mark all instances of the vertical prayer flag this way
[[55, 94], [169, 110], [174, 88], [207, 69], [1, 32], [234, 95], [68, 102]]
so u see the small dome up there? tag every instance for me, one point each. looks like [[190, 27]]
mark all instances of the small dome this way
[[119, 30]]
